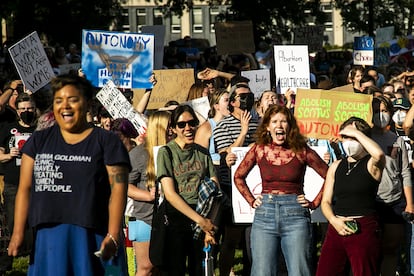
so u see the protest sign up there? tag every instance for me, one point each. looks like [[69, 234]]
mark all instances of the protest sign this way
[[291, 67], [259, 81], [172, 84], [119, 107], [242, 211], [201, 106], [363, 50], [124, 58], [159, 34], [381, 56], [311, 36], [321, 112], [384, 34], [32, 64], [234, 37]]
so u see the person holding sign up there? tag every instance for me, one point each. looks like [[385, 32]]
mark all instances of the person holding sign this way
[[348, 203], [73, 186], [282, 217]]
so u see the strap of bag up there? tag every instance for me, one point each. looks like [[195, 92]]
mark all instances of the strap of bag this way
[[157, 187]]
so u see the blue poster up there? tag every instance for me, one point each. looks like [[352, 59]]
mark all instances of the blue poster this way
[[125, 58]]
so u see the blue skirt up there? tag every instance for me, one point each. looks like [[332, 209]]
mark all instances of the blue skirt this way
[[67, 250]]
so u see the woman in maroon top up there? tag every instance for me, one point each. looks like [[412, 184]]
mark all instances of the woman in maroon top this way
[[282, 217]]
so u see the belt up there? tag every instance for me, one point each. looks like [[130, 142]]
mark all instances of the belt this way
[[132, 219]]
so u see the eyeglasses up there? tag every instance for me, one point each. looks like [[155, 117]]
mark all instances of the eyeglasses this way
[[26, 108], [191, 123]]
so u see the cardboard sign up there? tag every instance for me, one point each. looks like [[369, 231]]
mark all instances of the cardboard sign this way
[[124, 58], [291, 67], [172, 84], [242, 211], [320, 113], [311, 36], [119, 107], [259, 81], [159, 34], [363, 50], [234, 37], [32, 64]]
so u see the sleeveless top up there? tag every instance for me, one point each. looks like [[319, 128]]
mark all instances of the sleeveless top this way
[[354, 194]]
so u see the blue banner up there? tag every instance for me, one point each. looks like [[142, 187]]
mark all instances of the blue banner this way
[[125, 58]]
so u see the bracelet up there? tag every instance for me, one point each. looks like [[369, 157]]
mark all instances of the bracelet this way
[[113, 240]]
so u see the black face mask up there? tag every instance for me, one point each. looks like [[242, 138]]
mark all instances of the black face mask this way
[[27, 117], [246, 101]]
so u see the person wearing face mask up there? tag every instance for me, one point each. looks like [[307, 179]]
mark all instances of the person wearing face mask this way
[[236, 130], [395, 190], [349, 205], [13, 135], [401, 107]]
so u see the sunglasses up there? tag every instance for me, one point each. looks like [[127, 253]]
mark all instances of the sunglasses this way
[[191, 123]]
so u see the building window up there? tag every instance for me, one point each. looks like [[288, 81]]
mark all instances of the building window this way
[[175, 24], [214, 12], [141, 18], [125, 20], [197, 20], [158, 17]]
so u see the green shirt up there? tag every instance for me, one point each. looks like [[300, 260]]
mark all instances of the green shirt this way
[[188, 167]]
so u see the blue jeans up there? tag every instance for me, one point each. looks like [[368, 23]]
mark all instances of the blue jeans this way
[[281, 223]]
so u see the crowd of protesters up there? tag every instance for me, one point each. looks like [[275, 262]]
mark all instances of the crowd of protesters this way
[[369, 224]]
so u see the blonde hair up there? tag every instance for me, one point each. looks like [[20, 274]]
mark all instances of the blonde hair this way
[[157, 127]]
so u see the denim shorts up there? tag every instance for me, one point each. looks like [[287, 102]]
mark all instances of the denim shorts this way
[[139, 231]]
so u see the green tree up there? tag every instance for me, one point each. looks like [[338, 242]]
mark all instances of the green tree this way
[[272, 20], [357, 17], [60, 20]]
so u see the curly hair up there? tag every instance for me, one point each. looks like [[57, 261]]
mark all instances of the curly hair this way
[[294, 139]]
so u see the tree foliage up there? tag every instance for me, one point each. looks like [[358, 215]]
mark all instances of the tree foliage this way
[[385, 13], [60, 20]]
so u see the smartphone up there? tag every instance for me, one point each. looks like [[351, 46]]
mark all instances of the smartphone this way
[[353, 225]]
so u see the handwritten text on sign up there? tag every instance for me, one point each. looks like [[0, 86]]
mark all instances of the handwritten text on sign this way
[[291, 67], [124, 58], [320, 113], [31, 62]]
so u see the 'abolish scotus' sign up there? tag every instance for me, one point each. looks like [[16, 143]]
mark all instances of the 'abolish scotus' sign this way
[[320, 112]]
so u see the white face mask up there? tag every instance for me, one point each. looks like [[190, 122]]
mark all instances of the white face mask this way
[[353, 148], [399, 117], [381, 119]]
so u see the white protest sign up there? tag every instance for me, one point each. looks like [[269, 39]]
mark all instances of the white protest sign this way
[[291, 67], [119, 107], [363, 50], [159, 34], [201, 106], [259, 81], [384, 34], [31, 62], [242, 211]]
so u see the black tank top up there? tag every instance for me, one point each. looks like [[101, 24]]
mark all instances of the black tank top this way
[[354, 190]]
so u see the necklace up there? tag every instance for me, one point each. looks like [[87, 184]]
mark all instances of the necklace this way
[[351, 168]]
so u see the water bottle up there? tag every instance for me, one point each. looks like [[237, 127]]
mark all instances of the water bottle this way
[[208, 262]]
